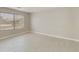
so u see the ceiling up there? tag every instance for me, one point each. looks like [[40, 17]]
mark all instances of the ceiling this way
[[33, 9]]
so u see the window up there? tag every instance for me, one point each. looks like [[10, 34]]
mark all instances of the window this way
[[11, 21], [6, 21], [19, 21]]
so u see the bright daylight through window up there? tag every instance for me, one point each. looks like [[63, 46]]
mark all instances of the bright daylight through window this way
[[9, 21]]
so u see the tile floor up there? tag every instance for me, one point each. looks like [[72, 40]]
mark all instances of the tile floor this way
[[37, 43]]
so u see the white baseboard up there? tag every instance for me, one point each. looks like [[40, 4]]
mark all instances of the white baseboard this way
[[61, 37], [13, 35]]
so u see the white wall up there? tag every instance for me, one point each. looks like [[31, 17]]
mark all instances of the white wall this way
[[76, 22], [60, 22]]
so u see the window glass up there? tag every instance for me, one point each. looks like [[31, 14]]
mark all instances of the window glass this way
[[11, 21], [19, 21], [6, 21]]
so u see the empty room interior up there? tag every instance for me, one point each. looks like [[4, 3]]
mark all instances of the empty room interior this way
[[39, 29]]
